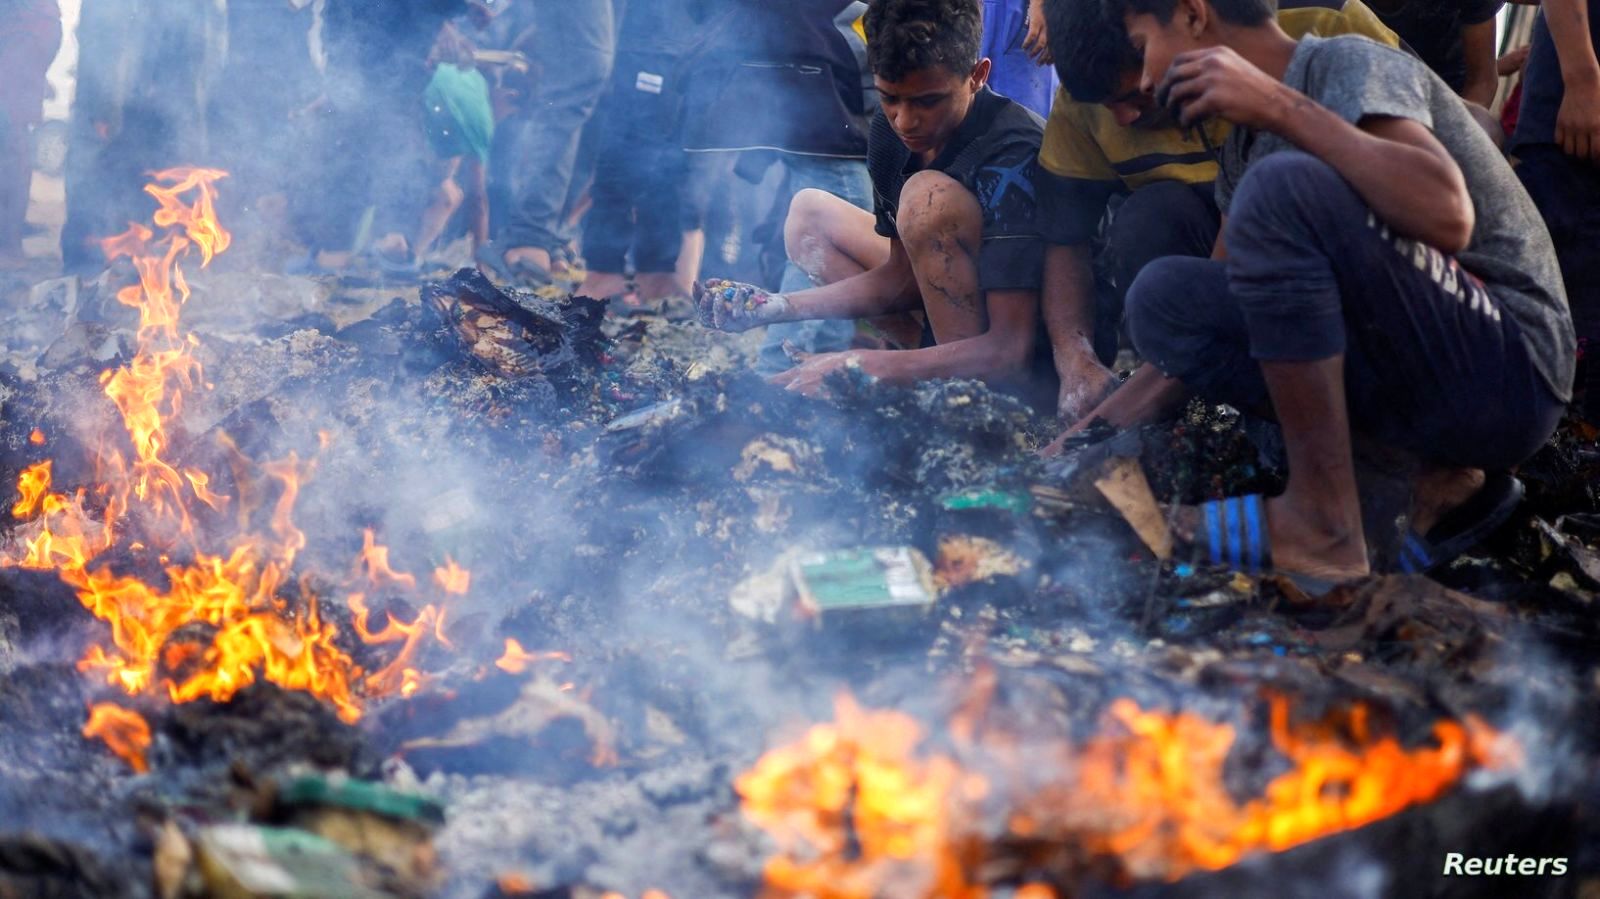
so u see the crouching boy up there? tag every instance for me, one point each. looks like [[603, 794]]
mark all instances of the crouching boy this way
[[952, 235], [1385, 272]]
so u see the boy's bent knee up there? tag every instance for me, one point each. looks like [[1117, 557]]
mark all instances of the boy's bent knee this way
[[1287, 193], [1158, 308], [934, 206]]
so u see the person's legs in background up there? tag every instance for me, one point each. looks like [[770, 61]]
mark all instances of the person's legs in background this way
[[29, 39], [848, 180], [1567, 192], [577, 41]]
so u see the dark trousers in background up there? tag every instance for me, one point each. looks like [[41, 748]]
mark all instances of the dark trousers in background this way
[[1433, 365], [575, 45], [1167, 218], [1567, 192], [640, 172]]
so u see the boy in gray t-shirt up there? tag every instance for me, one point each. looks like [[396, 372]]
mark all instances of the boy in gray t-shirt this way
[[1385, 273]]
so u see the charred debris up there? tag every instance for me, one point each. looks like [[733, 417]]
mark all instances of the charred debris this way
[[674, 564]]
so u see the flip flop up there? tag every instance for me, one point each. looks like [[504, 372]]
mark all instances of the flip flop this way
[[1236, 537], [1464, 527]]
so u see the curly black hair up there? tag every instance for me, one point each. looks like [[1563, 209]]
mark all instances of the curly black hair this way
[[1234, 12], [1091, 49], [905, 36]]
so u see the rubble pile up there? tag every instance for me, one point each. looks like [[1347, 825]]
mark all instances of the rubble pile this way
[[675, 567]]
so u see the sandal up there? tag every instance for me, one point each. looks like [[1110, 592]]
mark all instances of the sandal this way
[[1464, 527], [1235, 534]]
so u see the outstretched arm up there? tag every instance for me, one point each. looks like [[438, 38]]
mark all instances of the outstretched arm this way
[[890, 287], [999, 355]]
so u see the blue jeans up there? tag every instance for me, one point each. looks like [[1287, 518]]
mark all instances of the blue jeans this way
[[848, 180], [1432, 364]]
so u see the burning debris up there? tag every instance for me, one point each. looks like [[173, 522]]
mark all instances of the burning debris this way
[[468, 592]]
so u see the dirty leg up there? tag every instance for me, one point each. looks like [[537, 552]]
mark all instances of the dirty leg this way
[[941, 225]]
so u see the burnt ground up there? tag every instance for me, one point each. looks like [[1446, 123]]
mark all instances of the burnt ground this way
[[620, 489]]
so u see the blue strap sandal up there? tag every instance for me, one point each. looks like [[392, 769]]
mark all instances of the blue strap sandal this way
[[1465, 527], [1235, 532]]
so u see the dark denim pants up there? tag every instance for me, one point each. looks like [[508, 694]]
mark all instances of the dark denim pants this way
[[1432, 365]]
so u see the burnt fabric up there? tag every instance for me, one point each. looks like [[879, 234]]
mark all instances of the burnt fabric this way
[[1434, 362], [992, 155]]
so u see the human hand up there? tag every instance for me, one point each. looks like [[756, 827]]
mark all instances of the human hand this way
[[1513, 62], [1578, 121], [1219, 83], [732, 306], [1037, 41], [809, 375]]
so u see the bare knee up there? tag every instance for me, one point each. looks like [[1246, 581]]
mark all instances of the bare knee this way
[[937, 211], [807, 227]]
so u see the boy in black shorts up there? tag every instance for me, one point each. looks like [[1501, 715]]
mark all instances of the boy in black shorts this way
[[952, 233]]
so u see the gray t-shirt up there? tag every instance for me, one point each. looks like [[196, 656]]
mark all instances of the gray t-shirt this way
[[1510, 248]]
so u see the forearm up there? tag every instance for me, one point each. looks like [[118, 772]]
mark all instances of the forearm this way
[[1483, 78], [888, 288], [991, 357], [1418, 193], [1068, 303], [1568, 21]]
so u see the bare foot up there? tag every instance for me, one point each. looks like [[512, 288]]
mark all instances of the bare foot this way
[[657, 286], [528, 256], [1315, 544], [600, 285], [1437, 491], [333, 261], [1084, 384]]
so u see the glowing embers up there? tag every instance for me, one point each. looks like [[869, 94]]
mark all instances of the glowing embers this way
[[866, 807]]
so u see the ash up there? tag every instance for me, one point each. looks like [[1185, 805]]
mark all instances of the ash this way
[[624, 493]]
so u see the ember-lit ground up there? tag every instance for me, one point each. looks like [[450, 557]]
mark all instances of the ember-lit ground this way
[[1073, 714]]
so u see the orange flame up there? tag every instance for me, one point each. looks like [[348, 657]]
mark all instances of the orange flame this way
[[854, 807], [33, 484], [123, 730], [247, 631], [452, 578], [854, 810], [516, 660], [36, 437]]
